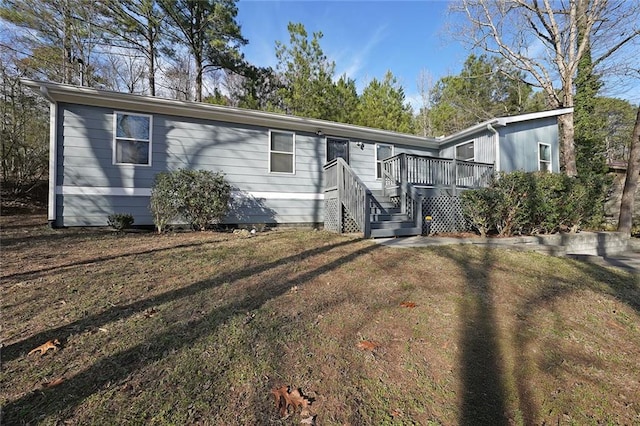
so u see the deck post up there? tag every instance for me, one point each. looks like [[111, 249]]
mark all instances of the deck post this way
[[404, 179], [340, 182], [454, 180], [367, 215]]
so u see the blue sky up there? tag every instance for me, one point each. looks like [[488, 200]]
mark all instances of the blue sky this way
[[363, 38]]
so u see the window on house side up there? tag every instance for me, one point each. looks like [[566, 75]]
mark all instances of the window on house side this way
[[132, 139], [465, 151], [337, 148], [281, 152], [383, 151], [544, 157]]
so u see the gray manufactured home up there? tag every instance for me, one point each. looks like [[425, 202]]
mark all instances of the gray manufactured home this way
[[106, 148]]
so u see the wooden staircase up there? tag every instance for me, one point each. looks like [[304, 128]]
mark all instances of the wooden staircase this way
[[387, 220]]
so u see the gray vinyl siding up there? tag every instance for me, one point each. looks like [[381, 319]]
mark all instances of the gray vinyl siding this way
[[484, 147], [241, 152], [85, 210], [519, 144]]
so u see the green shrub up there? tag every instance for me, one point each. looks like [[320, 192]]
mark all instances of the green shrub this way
[[533, 203], [199, 197], [479, 209], [120, 221], [164, 203]]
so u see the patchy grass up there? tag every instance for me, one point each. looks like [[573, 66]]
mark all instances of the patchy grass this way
[[197, 328]]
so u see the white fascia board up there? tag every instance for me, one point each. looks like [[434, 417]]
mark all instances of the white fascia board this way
[[534, 115], [150, 104]]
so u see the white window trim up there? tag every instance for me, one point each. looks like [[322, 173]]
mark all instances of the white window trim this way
[[375, 155], [293, 154], [326, 147], [116, 138], [540, 160], [455, 149]]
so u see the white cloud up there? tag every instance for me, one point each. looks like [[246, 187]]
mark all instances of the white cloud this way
[[360, 55]]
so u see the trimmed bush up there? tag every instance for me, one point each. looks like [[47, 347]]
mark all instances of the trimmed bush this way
[[164, 203], [199, 197], [534, 203], [120, 221]]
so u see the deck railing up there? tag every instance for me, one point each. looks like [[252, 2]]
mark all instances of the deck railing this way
[[423, 171], [352, 194]]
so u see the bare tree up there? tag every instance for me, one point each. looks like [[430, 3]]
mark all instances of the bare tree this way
[[126, 71], [625, 221], [425, 87], [547, 39]]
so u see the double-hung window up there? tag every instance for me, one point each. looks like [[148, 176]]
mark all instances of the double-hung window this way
[[282, 152], [544, 157], [132, 138]]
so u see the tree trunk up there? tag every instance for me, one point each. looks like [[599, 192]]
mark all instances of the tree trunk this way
[[152, 59], [567, 147], [625, 222]]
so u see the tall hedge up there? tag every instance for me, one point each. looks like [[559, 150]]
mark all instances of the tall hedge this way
[[535, 203], [199, 197]]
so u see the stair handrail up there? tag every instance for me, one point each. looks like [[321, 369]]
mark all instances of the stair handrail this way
[[353, 195]]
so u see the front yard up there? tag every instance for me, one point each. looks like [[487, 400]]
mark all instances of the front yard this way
[[198, 328]]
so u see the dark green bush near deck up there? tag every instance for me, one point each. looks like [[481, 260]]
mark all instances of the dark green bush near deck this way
[[522, 203], [199, 197]]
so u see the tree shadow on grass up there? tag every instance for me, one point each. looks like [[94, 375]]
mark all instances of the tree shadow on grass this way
[[117, 312], [29, 275], [115, 368], [483, 392], [602, 280]]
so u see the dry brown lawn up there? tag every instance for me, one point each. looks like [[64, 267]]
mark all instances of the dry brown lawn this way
[[197, 328]]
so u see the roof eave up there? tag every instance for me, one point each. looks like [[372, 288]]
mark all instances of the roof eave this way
[[94, 97]]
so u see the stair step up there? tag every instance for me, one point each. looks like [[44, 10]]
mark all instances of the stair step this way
[[402, 232], [382, 217], [392, 224], [390, 211]]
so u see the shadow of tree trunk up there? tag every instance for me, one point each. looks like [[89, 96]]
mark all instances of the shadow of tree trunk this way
[[483, 393]]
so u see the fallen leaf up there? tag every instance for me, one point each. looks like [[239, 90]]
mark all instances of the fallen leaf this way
[[43, 348], [281, 399], [311, 420], [54, 382], [408, 305], [367, 345], [297, 400], [285, 398]]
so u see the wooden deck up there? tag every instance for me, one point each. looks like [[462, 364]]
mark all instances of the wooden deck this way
[[396, 210]]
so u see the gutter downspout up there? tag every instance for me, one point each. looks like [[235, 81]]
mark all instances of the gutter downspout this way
[[53, 156], [496, 137]]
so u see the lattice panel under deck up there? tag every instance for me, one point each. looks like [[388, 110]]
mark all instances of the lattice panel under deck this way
[[331, 212], [349, 224], [446, 213]]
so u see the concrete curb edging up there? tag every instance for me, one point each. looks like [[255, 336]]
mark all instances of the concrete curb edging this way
[[583, 243]]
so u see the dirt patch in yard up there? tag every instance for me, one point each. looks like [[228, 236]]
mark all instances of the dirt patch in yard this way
[[197, 328]]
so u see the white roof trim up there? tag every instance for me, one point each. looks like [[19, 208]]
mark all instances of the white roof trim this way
[[141, 103], [503, 121]]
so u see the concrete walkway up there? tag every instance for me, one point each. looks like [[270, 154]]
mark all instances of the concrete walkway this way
[[627, 259]]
